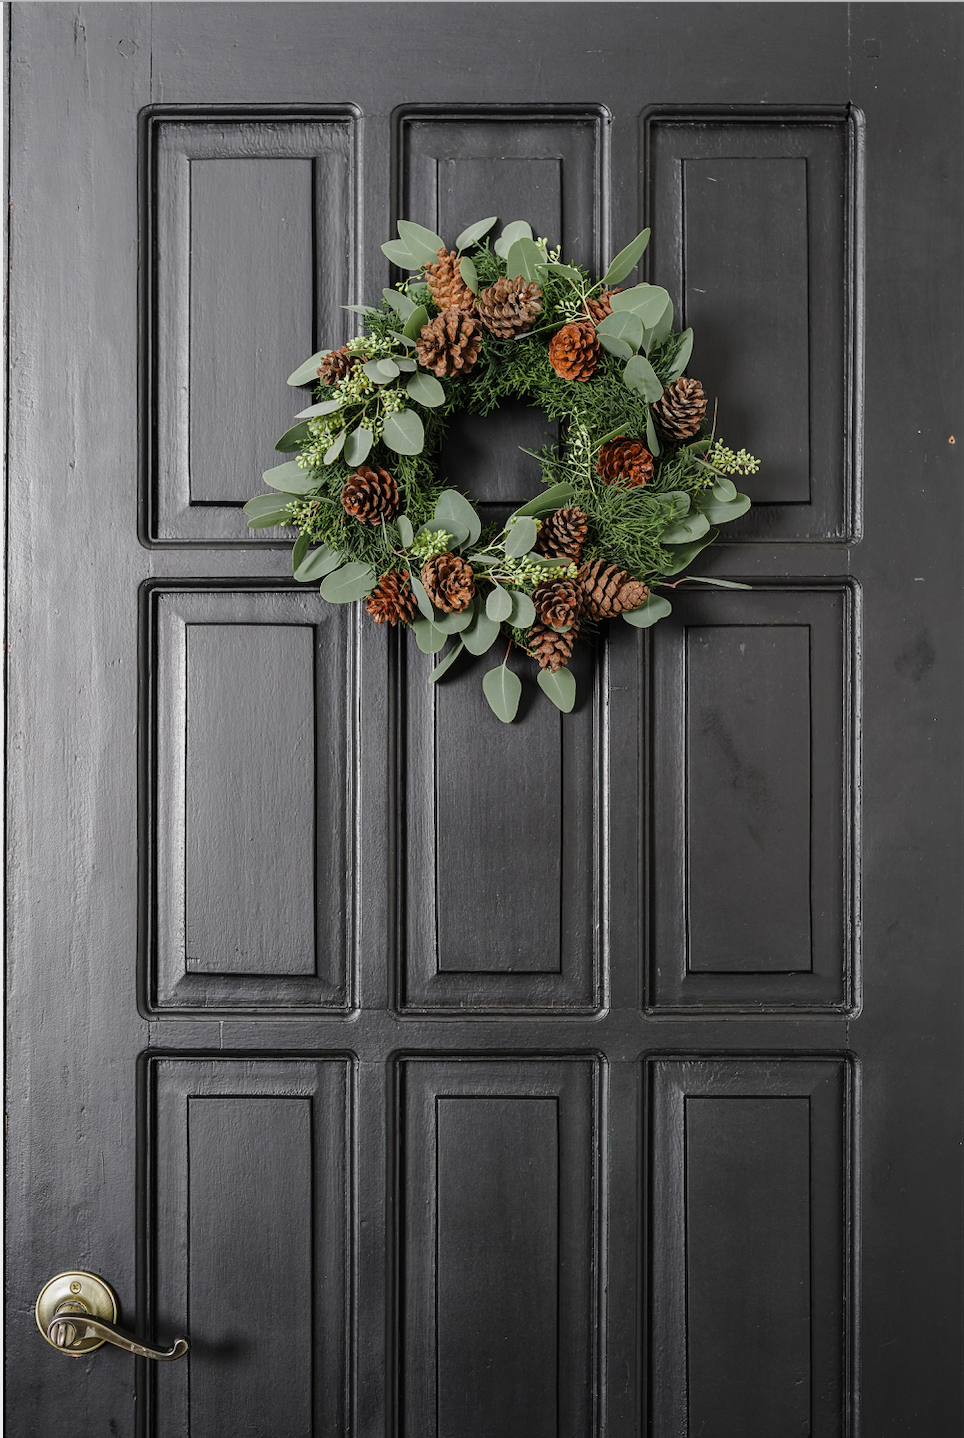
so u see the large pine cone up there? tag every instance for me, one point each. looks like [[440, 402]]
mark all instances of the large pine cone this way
[[448, 289], [625, 459], [574, 351], [449, 582], [679, 413], [601, 306], [510, 307], [551, 648], [392, 600], [607, 590], [450, 344], [336, 364], [557, 602], [370, 495], [563, 534]]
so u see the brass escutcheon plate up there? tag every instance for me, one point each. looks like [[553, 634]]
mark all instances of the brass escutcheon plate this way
[[91, 1295]]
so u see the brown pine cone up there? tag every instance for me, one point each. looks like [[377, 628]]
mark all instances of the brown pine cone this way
[[448, 289], [551, 648], [449, 344], [336, 365], [625, 459], [392, 600], [601, 306], [574, 351], [608, 590], [370, 495], [449, 582], [563, 534], [510, 307], [557, 602], [679, 413]]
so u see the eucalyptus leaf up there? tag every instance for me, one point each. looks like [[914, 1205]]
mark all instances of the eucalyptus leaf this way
[[678, 501], [421, 596], [472, 233], [655, 607], [503, 689], [293, 438], [405, 531], [400, 255], [325, 406], [622, 325], [300, 548], [360, 309], [402, 339], [651, 441], [347, 584], [388, 368], [455, 623], [627, 259], [498, 606], [425, 389], [422, 243], [290, 478], [523, 259], [614, 433], [521, 537], [336, 447], [555, 268], [640, 376], [269, 521], [722, 511], [648, 302], [560, 687], [694, 526], [447, 662], [615, 346], [684, 554], [517, 230], [663, 327], [374, 371], [400, 303], [357, 445], [481, 633], [523, 610], [724, 489], [307, 373], [545, 562], [452, 505], [552, 498], [720, 583], [415, 321], [403, 432], [682, 356], [318, 563], [407, 365], [470, 275], [429, 638], [457, 532], [265, 504]]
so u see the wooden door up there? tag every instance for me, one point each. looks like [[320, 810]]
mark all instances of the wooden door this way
[[593, 1075]]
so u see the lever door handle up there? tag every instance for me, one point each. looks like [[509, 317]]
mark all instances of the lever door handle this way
[[76, 1313]]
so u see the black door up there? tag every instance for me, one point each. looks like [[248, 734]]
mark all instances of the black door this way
[[593, 1075]]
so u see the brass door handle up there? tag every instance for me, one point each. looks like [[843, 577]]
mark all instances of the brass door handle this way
[[76, 1313]]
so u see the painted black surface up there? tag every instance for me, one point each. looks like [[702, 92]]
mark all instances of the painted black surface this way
[[323, 1127]]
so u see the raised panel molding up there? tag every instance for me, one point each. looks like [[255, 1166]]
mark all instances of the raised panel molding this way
[[248, 1233], [750, 1198], [756, 221], [498, 1247], [246, 854], [753, 877], [248, 226]]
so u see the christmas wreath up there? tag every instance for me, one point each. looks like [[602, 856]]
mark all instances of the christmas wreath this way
[[631, 495]]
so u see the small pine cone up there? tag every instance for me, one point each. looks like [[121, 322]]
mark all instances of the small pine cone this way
[[448, 289], [551, 648], [601, 306], [625, 459], [336, 365], [563, 534], [449, 582], [557, 602], [679, 413], [574, 351], [510, 307], [392, 600], [450, 344], [370, 495], [608, 590]]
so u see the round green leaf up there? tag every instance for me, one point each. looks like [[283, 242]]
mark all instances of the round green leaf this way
[[722, 511], [428, 636], [640, 376], [318, 563], [523, 259], [684, 531], [498, 606], [655, 607], [684, 554], [470, 275], [481, 633], [452, 505], [357, 445], [517, 230], [374, 371], [403, 432], [521, 537], [352, 582], [447, 662], [400, 255], [293, 439], [647, 302], [408, 365], [414, 323], [615, 346], [622, 325], [388, 368], [724, 489], [307, 373], [503, 689], [457, 531], [455, 623], [523, 610], [290, 478], [472, 233], [425, 389], [560, 687]]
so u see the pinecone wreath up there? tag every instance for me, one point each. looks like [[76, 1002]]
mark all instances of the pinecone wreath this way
[[392, 600], [574, 351], [563, 534], [608, 590], [336, 365], [446, 285], [449, 582], [510, 307], [370, 495], [552, 648], [681, 410], [625, 459], [449, 345]]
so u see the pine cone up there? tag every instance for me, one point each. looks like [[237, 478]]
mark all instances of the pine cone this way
[[601, 306], [510, 307], [449, 582], [608, 590], [557, 602], [450, 344], [336, 365], [448, 289], [551, 648], [679, 413], [574, 351], [370, 495], [392, 600], [563, 534], [625, 459]]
